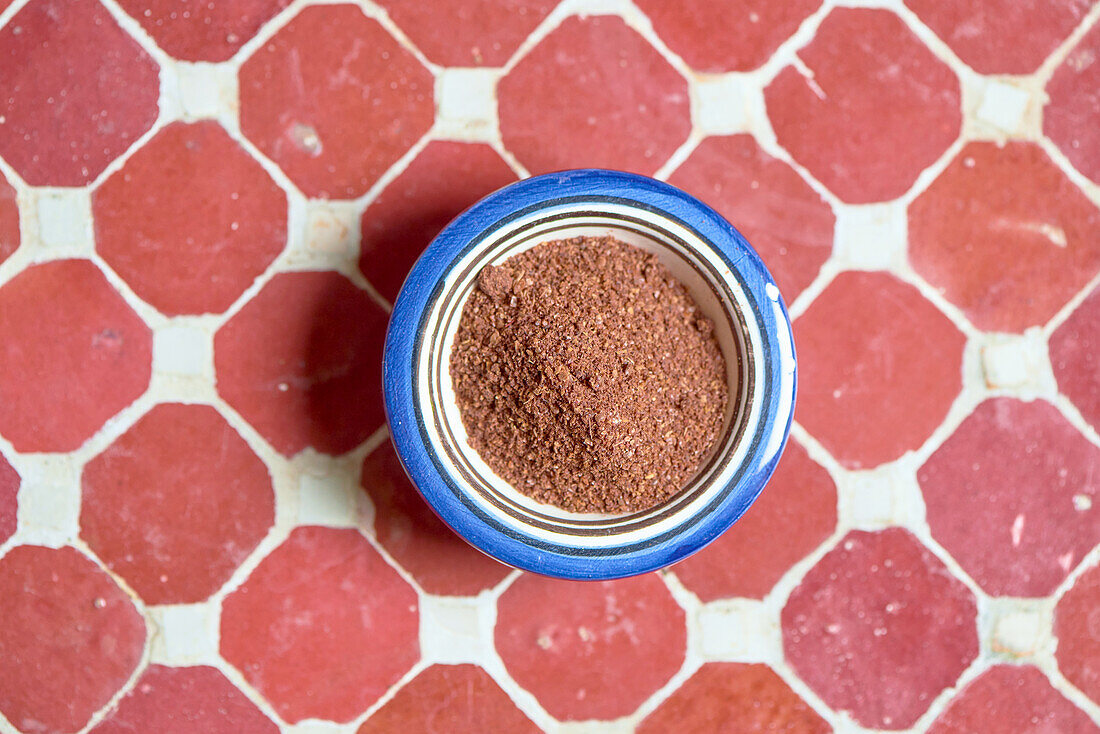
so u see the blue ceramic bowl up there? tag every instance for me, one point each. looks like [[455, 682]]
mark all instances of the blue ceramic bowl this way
[[729, 284]]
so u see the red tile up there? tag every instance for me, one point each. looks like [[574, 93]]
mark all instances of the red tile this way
[[1014, 496], [302, 362], [440, 561], [9, 220], [1011, 699], [70, 638], [183, 701], [784, 219], [573, 121], [470, 33], [1070, 115], [334, 115], [749, 558], [726, 35], [1077, 628], [451, 699], [201, 30], [9, 499], [879, 627], [176, 503], [867, 345], [443, 180], [734, 698], [994, 199], [64, 118], [72, 354], [323, 626], [877, 110], [1075, 356], [147, 230], [595, 650]]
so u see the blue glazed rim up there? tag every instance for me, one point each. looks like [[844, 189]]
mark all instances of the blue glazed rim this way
[[404, 336]]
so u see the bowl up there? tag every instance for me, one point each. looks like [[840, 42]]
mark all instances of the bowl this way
[[729, 284]]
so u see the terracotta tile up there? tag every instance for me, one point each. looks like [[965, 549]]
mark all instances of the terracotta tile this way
[[72, 354], [444, 179], [1014, 496], [9, 499], [302, 362], [65, 119], [323, 626], [182, 701], [749, 558], [176, 503], [334, 115], [995, 199], [573, 122], [456, 699], [1075, 357], [1070, 115], [9, 220], [1002, 36], [878, 109], [200, 30], [1077, 627], [440, 561], [147, 230], [879, 627], [785, 220], [726, 35], [856, 385], [595, 650], [734, 698], [470, 33], [1011, 699], [70, 638]]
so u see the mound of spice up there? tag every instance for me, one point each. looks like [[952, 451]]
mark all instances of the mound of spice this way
[[587, 377]]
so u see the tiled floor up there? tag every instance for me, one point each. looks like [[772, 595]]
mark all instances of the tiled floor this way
[[209, 207]]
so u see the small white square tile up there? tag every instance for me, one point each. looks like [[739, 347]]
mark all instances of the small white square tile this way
[[450, 629], [315, 726], [722, 104], [186, 634], [1008, 362], [742, 629], [325, 499], [49, 499], [332, 228], [1003, 106], [467, 104], [182, 349], [65, 218], [871, 236], [866, 499], [207, 90]]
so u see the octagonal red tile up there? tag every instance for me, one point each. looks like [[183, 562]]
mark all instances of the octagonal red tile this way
[[176, 503], [1074, 94], [334, 115], [727, 35], [455, 699], [440, 561], [1014, 496], [9, 220], [883, 108], [867, 345], [65, 119], [1002, 36], [182, 701], [1075, 357], [734, 698], [200, 30], [9, 499], [470, 33], [70, 638], [323, 626], [443, 179], [1010, 699], [1077, 627], [302, 362], [784, 219], [72, 354], [574, 121], [749, 558], [148, 232], [879, 627], [590, 651], [994, 199]]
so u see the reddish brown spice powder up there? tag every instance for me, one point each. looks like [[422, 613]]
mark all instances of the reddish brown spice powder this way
[[587, 377]]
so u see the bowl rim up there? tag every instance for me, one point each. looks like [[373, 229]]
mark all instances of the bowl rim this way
[[593, 186]]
